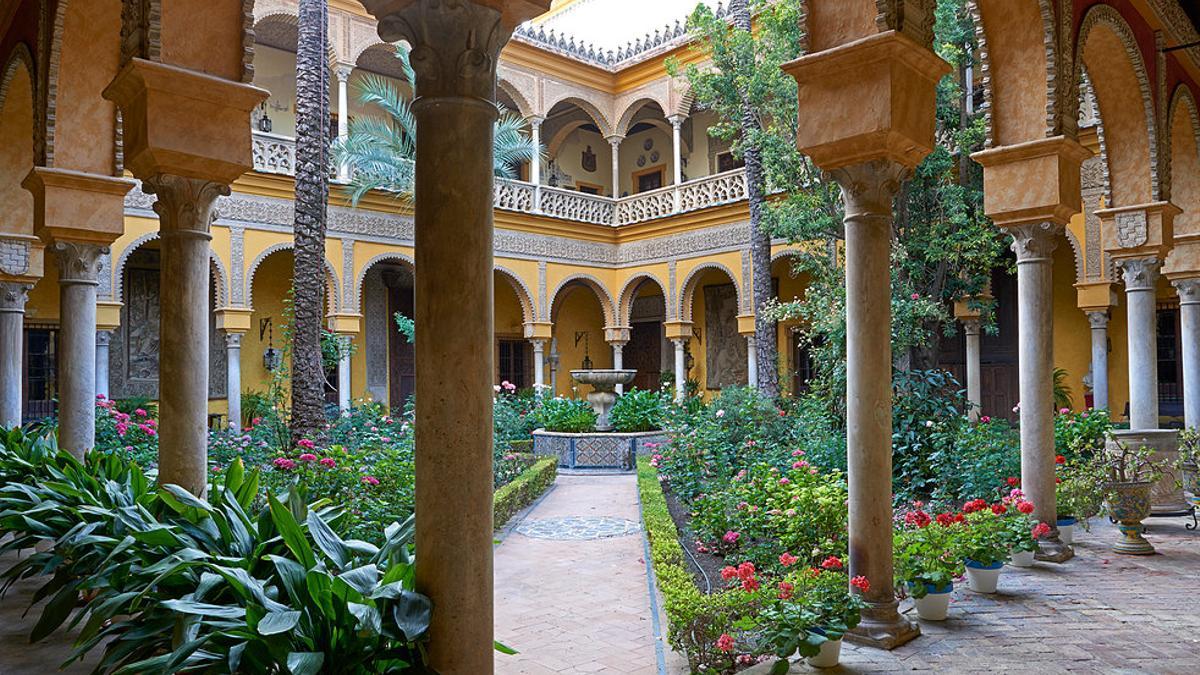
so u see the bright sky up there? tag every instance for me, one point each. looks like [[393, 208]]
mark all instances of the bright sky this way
[[609, 24]]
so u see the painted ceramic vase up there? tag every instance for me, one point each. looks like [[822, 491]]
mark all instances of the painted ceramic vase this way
[[1129, 504]]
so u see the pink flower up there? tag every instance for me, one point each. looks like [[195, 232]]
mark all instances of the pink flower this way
[[799, 464], [1040, 530], [1025, 507], [785, 590], [915, 296], [370, 480], [725, 643], [306, 444], [1064, 411], [721, 413], [787, 559], [985, 419], [140, 412], [784, 481], [832, 563], [728, 573], [122, 428], [99, 397], [308, 457], [328, 462], [731, 537], [284, 463]]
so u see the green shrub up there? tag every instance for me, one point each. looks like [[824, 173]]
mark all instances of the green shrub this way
[[514, 415], [524, 489], [927, 417], [1081, 433], [638, 410], [976, 460], [567, 415]]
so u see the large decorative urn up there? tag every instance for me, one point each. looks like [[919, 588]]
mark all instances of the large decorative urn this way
[[602, 397], [1166, 495], [1129, 504]]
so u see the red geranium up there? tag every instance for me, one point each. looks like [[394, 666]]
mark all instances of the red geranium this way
[[999, 509], [1040, 530], [785, 590], [861, 583], [787, 559], [1025, 507], [725, 643], [1059, 459], [832, 563]]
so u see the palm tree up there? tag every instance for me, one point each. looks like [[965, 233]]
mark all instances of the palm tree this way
[[312, 193], [380, 149]]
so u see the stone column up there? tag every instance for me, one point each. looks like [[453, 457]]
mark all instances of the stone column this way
[[456, 47], [1140, 276], [553, 359], [103, 338], [974, 390], [185, 211], [676, 124], [1189, 319], [618, 349], [615, 142], [751, 362], [680, 368], [868, 190], [78, 276], [233, 378], [539, 365], [1034, 244], [343, 102], [344, 374], [1098, 320], [13, 295], [535, 166]]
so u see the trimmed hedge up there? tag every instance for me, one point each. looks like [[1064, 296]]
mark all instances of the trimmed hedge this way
[[523, 489], [694, 620]]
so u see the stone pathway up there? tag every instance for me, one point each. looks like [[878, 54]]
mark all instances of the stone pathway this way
[[17, 656], [571, 592]]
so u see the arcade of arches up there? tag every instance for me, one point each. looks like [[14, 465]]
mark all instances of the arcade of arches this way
[[146, 166]]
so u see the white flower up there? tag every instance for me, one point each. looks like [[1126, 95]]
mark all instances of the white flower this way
[[721, 413], [496, 388], [928, 423]]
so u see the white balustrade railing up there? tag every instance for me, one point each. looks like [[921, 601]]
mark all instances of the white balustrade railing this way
[[277, 154]]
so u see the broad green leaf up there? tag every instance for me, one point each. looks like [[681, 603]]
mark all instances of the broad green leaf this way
[[411, 615], [278, 622], [328, 541], [290, 530], [305, 663], [55, 613], [362, 579], [320, 588], [291, 575], [369, 621], [204, 609]]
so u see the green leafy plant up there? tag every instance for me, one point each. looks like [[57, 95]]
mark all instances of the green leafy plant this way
[[1081, 433], [524, 489], [1079, 492], [567, 415], [925, 554], [810, 607], [1062, 391], [638, 410]]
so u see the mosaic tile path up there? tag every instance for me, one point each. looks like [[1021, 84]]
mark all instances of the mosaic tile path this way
[[582, 528]]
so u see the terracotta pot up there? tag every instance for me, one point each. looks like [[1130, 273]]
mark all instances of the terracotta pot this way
[[1129, 504]]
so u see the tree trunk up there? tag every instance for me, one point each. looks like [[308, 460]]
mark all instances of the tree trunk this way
[[760, 240], [312, 192]]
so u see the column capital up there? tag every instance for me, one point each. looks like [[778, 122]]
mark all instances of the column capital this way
[[868, 188], [539, 344], [342, 71], [1035, 242], [103, 337], [535, 120], [614, 140], [13, 296], [1188, 289], [233, 339], [1139, 274], [79, 262], [184, 205], [677, 120], [1098, 319], [971, 325], [616, 334]]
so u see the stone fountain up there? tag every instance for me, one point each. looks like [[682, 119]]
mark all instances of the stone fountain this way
[[603, 382]]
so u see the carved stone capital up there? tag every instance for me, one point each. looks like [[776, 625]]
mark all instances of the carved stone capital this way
[[539, 344], [342, 72], [869, 188], [233, 340], [614, 140], [1188, 289], [677, 120], [455, 45], [1098, 320], [184, 204], [79, 262], [1035, 242], [971, 326], [1139, 274], [103, 338], [13, 295]]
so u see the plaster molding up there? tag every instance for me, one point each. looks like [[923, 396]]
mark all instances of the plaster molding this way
[[524, 297], [15, 256], [672, 291], [627, 298], [543, 309], [689, 287], [355, 300], [350, 294], [237, 256], [607, 305]]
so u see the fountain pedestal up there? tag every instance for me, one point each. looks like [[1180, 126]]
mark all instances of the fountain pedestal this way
[[603, 396]]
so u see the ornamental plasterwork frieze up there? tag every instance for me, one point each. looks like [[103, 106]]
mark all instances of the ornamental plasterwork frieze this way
[[1178, 25], [1131, 229]]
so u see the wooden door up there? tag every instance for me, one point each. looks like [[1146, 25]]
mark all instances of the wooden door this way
[[402, 361], [644, 354]]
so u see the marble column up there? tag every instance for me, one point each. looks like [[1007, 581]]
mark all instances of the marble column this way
[[233, 378], [344, 374], [13, 295], [343, 121], [1098, 320], [618, 350], [1189, 319], [1034, 244], [1140, 276], [867, 191], [615, 142], [974, 390], [185, 211], [553, 359], [539, 366], [535, 166], [456, 47], [751, 362], [680, 368], [103, 338], [676, 125], [79, 266]]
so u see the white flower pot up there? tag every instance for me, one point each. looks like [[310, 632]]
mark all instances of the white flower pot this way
[[829, 656], [934, 606], [983, 579], [1022, 559], [1066, 533]]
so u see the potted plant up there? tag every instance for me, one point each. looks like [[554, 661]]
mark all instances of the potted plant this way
[[812, 610], [1130, 476], [1189, 456], [983, 542], [1019, 532], [927, 563], [1079, 493]]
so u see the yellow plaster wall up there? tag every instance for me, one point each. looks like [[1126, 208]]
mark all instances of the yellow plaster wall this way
[[578, 310], [271, 285], [570, 159], [275, 71], [633, 147], [1072, 335], [42, 306]]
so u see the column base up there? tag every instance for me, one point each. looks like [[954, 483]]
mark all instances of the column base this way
[[1053, 550], [883, 627]]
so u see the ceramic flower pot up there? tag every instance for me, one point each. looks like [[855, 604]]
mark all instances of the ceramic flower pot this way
[[1129, 504], [983, 578], [829, 656], [936, 603], [1022, 559], [1066, 530]]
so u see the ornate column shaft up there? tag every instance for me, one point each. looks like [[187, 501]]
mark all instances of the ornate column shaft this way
[[676, 126], [78, 276], [535, 167], [103, 338], [1034, 245], [618, 350], [344, 374], [13, 295], [615, 142], [185, 211], [539, 365], [974, 390], [343, 122], [867, 191], [233, 378], [751, 362], [1140, 276], [1189, 319], [455, 50], [680, 368], [1099, 322]]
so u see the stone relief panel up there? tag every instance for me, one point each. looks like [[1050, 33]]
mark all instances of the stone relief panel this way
[[724, 347], [376, 323]]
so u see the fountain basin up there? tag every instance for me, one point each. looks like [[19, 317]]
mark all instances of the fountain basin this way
[[602, 397]]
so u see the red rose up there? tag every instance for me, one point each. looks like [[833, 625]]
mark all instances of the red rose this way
[[1059, 459]]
